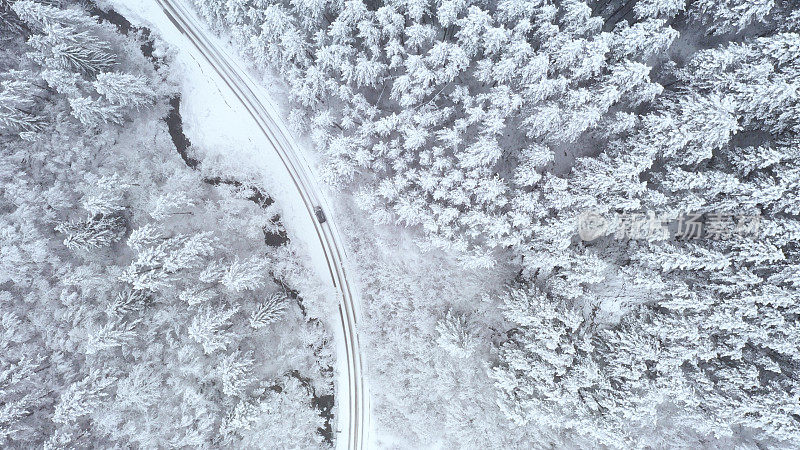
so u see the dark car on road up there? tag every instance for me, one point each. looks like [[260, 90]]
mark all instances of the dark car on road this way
[[320, 214]]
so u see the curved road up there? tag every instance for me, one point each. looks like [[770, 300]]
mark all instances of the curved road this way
[[353, 414]]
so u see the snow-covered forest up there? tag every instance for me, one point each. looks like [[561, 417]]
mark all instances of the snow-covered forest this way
[[493, 164], [141, 305], [486, 129]]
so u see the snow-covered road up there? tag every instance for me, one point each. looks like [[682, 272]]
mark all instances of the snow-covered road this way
[[325, 244]]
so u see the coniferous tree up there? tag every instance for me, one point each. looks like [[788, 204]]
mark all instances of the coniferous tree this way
[[92, 233]]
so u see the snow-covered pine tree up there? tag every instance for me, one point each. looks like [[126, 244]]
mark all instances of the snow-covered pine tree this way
[[268, 312], [93, 233], [124, 89], [457, 334], [210, 328], [17, 101]]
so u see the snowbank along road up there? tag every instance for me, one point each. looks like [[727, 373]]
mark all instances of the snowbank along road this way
[[354, 408]]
